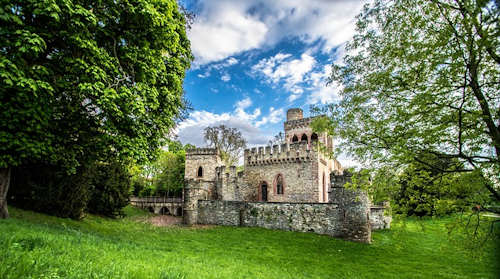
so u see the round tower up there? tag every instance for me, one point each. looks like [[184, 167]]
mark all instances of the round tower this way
[[294, 114]]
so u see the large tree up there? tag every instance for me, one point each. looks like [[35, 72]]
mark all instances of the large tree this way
[[229, 141], [421, 83], [88, 80]]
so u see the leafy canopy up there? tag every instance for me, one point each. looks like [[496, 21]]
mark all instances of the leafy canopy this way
[[82, 79], [420, 84], [164, 176]]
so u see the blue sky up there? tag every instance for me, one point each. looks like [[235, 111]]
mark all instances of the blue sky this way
[[255, 59]]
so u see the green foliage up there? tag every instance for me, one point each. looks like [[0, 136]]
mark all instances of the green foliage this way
[[163, 177], [45, 188], [169, 177], [101, 188], [426, 192], [137, 181], [420, 82], [89, 75], [37, 246], [110, 189], [88, 81]]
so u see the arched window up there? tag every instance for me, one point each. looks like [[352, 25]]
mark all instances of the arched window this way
[[314, 137], [200, 171], [295, 138], [304, 137], [280, 185], [263, 191]]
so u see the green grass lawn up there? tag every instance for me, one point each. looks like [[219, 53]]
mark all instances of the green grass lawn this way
[[39, 246]]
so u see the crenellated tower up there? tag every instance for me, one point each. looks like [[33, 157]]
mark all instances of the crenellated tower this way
[[200, 180]]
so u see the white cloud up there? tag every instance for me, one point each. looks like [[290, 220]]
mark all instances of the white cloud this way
[[242, 114], [274, 116], [223, 28], [191, 130], [284, 71], [298, 76], [320, 92], [231, 61], [226, 77]]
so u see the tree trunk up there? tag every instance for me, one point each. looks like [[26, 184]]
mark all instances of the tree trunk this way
[[4, 188]]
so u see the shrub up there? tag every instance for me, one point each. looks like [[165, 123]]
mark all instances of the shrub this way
[[45, 188], [110, 189]]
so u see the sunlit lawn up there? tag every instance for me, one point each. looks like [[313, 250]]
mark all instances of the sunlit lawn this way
[[39, 246]]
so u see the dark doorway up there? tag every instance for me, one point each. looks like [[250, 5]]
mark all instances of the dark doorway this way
[[263, 192]]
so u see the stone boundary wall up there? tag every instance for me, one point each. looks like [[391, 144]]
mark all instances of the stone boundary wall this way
[[320, 218], [379, 219]]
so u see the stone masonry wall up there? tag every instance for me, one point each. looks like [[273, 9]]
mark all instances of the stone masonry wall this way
[[355, 211], [379, 220], [297, 165], [207, 158], [320, 218], [233, 187], [195, 190]]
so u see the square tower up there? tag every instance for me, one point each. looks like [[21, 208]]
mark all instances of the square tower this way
[[201, 164]]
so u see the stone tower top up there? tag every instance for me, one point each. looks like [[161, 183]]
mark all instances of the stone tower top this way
[[294, 114]]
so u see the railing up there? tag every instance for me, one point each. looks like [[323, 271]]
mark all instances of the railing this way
[[155, 200]]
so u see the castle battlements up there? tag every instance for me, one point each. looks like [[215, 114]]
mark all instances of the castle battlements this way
[[298, 123], [202, 151], [279, 153], [222, 173]]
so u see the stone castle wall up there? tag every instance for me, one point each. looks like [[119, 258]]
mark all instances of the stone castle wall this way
[[321, 218], [295, 162], [232, 186], [379, 219], [355, 211]]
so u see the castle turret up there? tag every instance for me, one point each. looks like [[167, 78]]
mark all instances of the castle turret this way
[[201, 163], [294, 114]]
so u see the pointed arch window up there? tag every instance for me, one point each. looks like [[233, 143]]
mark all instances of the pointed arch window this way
[[200, 171], [314, 137], [304, 137], [295, 138], [280, 185]]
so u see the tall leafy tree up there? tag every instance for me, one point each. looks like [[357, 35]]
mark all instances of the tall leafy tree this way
[[88, 80], [229, 141], [169, 179], [421, 83]]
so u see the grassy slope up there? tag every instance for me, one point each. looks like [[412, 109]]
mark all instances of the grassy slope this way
[[40, 246]]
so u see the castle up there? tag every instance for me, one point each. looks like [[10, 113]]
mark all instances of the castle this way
[[290, 186]]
